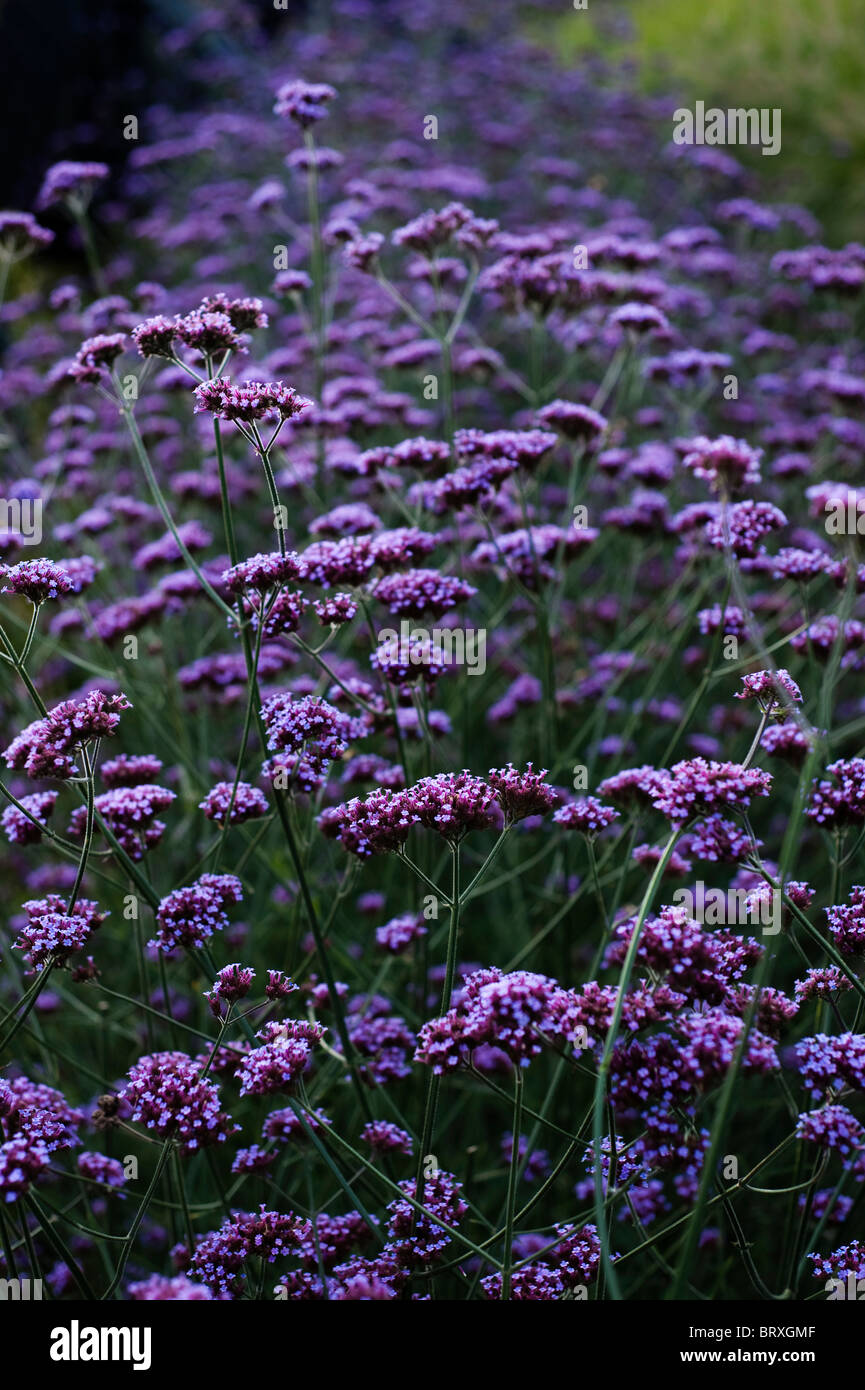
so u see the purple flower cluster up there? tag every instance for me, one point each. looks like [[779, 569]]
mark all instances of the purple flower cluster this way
[[168, 1095], [46, 747], [188, 917]]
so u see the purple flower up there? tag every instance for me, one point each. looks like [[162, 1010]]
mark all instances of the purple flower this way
[[261, 572], [53, 937], [399, 933], [245, 803], [303, 102], [384, 1137], [728, 465], [697, 786], [252, 401], [453, 803], [574, 421], [522, 794], [188, 917], [743, 525], [821, 983], [847, 1260], [335, 610], [588, 815], [832, 1127], [45, 748], [221, 1255], [21, 234], [416, 1238], [252, 1160], [279, 1064], [130, 815], [37, 580], [279, 986], [306, 725], [418, 592], [21, 1162], [232, 983], [128, 770], [169, 1096], [775, 691], [26, 829], [102, 1169], [70, 182]]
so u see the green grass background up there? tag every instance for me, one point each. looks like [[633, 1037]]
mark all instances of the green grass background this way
[[805, 56]]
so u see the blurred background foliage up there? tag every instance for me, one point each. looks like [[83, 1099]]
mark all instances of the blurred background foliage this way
[[74, 67], [805, 56]]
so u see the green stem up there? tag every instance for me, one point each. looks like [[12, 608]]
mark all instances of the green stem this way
[[512, 1183]]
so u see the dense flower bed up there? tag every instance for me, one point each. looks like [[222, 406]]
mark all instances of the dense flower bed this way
[[432, 724]]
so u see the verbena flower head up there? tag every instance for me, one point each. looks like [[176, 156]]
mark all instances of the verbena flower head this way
[[303, 102], [821, 983], [416, 1238], [232, 983], [21, 1162], [522, 794], [574, 421], [46, 747], [742, 526], [698, 786], [130, 815], [263, 572], [169, 1096], [52, 937], [775, 691], [221, 1256], [279, 986], [633, 786], [847, 1260], [399, 933], [102, 1169], [188, 917], [25, 827], [419, 592], [719, 841], [832, 1062], [72, 182], [847, 923], [20, 235], [155, 337], [384, 1137], [452, 803], [130, 770], [94, 355], [251, 401], [36, 580], [832, 1127], [161, 1288], [588, 815], [235, 804], [307, 725], [839, 803], [515, 1013], [728, 465], [280, 1062]]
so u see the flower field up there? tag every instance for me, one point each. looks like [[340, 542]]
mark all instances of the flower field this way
[[432, 730]]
